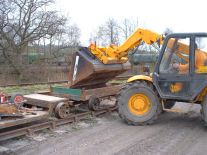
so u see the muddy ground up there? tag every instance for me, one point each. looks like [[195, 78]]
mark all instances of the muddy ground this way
[[172, 133]]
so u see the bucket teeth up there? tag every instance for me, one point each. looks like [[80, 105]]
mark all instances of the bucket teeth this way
[[88, 72]]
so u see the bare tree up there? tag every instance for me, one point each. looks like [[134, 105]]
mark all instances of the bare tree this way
[[108, 33], [113, 32], [69, 38], [73, 35], [23, 22], [127, 27]]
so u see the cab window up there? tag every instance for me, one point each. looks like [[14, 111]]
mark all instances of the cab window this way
[[176, 57], [201, 55]]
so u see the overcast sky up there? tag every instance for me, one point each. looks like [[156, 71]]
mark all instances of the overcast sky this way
[[156, 15]]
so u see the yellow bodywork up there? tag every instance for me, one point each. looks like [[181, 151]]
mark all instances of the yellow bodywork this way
[[119, 54], [140, 77], [201, 69]]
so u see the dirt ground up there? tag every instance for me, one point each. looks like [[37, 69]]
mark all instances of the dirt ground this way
[[172, 133]]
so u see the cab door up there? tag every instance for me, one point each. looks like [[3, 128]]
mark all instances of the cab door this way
[[199, 67], [172, 76]]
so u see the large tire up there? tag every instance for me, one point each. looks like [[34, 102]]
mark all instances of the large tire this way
[[126, 103], [204, 111]]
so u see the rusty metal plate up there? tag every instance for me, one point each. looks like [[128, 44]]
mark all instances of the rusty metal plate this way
[[39, 115]]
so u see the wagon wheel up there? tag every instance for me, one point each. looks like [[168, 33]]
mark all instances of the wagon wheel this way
[[62, 110], [94, 103], [17, 99]]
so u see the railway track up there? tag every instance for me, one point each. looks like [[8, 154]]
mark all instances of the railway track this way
[[49, 124], [31, 128]]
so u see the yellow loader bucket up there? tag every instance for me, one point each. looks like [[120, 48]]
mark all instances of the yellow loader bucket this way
[[88, 72]]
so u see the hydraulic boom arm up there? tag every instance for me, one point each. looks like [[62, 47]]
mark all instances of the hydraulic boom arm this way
[[94, 66], [118, 54]]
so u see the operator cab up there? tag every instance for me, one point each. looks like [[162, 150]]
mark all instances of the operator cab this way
[[181, 70]]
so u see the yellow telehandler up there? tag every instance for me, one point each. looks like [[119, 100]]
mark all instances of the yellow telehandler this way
[[180, 74]]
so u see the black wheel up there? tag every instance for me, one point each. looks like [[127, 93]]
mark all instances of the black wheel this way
[[94, 103], [169, 104], [204, 111], [138, 104]]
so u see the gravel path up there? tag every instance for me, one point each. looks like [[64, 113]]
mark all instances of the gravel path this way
[[171, 134]]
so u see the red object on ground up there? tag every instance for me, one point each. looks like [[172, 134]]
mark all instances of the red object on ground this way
[[2, 98], [18, 99]]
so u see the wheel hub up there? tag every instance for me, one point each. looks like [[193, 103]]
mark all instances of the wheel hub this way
[[139, 104]]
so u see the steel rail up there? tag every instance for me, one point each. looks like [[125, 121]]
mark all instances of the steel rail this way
[[51, 124]]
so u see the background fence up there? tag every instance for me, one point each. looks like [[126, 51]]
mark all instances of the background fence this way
[[33, 74]]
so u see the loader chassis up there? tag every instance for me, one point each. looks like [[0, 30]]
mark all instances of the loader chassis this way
[[179, 75]]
